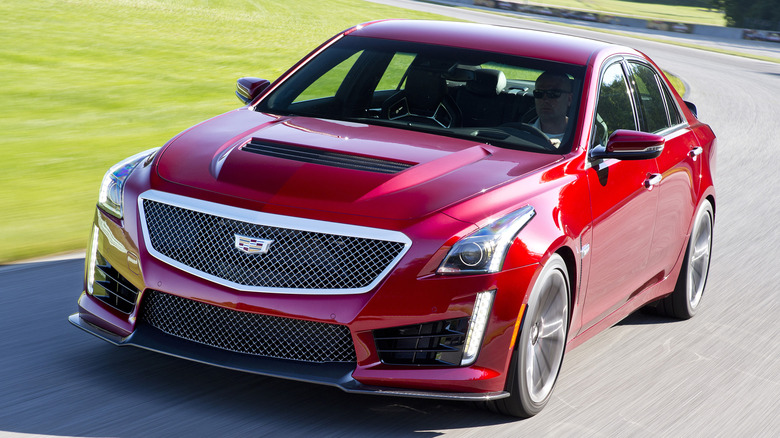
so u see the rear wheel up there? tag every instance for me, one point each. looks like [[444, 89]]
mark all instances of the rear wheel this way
[[684, 301], [541, 344]]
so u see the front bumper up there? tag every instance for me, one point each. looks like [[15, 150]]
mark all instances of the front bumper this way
[[331, 374], [118, 259]]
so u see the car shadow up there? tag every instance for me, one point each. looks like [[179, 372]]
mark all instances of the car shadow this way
[[187, 391], [57, 380], [646, 316]]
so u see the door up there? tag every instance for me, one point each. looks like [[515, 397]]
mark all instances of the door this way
[[678, 166], [623, 206]]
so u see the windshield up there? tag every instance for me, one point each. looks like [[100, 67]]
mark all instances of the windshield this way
[[489, 97]]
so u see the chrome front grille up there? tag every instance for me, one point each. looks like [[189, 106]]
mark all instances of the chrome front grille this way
[[298, 260], [249, 333]]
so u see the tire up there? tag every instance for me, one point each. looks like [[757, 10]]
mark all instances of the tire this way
[[538, 354], [686, 298]]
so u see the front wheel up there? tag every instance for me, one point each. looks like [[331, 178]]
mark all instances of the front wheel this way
[[541, 344], [684, 301]]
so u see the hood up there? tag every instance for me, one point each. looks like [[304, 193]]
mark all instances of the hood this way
[[335, 166]]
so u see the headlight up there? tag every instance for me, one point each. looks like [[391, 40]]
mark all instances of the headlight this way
[[113, 185], [484, 251]]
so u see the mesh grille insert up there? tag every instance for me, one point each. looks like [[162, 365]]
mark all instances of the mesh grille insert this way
[[250, 333], [296, 259]]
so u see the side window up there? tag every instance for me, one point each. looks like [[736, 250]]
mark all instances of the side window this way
[[328, 84], [652, 106], [614, 109], [391, 79], [671, 108]]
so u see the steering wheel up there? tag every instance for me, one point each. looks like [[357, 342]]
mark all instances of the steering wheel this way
[[534, 131]]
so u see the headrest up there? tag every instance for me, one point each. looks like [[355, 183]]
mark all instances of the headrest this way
[[487, 82], [425, 89]]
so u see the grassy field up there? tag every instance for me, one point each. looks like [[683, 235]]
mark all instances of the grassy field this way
[[89, 82], [684, 11]]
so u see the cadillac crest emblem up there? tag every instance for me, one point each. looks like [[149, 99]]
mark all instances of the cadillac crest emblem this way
[[252, 245]]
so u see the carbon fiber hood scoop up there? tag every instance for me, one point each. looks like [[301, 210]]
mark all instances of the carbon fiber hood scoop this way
[[324, 157]]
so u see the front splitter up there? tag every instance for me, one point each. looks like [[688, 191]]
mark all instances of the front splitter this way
[[336, 374]]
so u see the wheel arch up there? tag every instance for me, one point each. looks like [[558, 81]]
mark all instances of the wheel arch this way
[[711, 199], [567, 254]]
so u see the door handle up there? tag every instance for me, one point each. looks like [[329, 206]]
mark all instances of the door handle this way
[[696, 152], [653, 179]]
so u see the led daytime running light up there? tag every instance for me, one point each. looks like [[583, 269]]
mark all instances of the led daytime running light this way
[[477, 326], [92, 259]]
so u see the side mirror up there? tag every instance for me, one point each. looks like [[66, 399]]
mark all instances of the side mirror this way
[[629, 145], [247, 89], [692, 107]]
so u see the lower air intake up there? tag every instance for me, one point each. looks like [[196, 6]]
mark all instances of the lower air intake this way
[[433, 343], [250, 333], [112, 288]]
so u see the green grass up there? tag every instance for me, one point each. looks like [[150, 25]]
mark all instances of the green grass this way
[[690, 11], [87, 83], [677, 83]]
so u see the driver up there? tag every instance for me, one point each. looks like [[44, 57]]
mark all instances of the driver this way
[[552, 97]]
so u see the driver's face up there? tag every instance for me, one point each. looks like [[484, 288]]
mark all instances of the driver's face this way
[[548, 107]]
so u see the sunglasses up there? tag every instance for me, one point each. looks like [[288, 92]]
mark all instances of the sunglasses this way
[[552, 94]]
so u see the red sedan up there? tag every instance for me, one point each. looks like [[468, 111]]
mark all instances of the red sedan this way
[[425, 209]]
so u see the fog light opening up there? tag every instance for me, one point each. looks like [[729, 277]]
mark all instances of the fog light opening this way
[[477, 326]]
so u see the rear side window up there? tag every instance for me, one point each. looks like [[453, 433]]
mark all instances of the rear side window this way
[[328, 84], [652, 105], [395, 72], [671, 108]]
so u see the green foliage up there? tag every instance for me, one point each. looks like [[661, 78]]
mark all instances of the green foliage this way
[[89, 82], [753, 14]]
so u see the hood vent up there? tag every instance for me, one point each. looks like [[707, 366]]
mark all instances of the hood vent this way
[[326, 158]]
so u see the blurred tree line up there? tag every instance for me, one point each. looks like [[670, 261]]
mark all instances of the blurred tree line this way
[[751, 14]]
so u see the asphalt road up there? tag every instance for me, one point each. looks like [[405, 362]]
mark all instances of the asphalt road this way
[[715, 375]]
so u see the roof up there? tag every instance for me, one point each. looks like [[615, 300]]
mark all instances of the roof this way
[[514, 41]]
